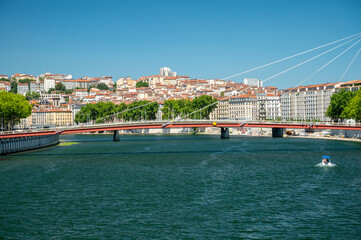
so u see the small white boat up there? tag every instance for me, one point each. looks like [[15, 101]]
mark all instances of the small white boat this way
[[326, 161]]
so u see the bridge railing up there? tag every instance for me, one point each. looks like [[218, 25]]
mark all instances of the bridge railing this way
[[168, 122]]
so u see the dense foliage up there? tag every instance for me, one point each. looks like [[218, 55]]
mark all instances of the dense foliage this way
[[102, 86], [184, 107], [13, 107], [353, 108], [339, 103], [104, 112], [60, 87], [141, 84], [32, 95]]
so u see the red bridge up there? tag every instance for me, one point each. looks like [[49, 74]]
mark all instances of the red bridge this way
[[277, 128]]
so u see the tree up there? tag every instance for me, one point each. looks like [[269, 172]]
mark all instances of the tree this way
[[141, 84], [32, 95], [51, 90], [338, 103], [353, 108], [13, 108], [105, 112], [14, 87], [102, 86], [60, 87], [4, 80], [186, 108]]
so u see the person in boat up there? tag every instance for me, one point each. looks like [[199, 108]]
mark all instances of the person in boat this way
[[325, 159]]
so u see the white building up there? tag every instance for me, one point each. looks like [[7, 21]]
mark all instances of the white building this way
[[252, 82], [273, 106], [307, 102], [23, 88], [49, 83], [165, 71]]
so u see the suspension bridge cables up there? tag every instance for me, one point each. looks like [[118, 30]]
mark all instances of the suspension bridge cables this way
[[313, 74], [319, 55], [348, 67], [283, 59], [284, 71]]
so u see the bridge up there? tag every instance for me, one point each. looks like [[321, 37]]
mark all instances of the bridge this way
[[223, 125]]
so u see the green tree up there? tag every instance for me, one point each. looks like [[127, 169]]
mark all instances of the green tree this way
[[60, 87], [106, 112], [32, 95], [4, 80], [13, 108], [14, 87], [338, 103], [141, 84], [102, 86], [186, 108], [353, 108], [51, 90]]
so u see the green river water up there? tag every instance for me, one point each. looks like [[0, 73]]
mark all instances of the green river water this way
[[182, 187]]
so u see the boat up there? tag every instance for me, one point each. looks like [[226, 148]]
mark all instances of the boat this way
[[326, 160]]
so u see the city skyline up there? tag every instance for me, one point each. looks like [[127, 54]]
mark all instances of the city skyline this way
[[203, 40]]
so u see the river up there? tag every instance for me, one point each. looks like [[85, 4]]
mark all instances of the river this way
[[182, 187]]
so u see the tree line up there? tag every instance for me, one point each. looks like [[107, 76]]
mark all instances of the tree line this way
[[345, 105], [102, 112], [185, 107]]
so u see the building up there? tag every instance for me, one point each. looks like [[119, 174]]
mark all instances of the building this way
[[49, 83], [244, 108], [16, 77], [6, 86], [273, 106], [23, 88], [36, 86], [252, 82], [165, 71], [221, 112], [3, 76], [53, 117], [56, 76], [307, 102], [353, 86]]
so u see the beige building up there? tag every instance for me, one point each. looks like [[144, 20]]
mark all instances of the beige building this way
[[221, 112], [51, 117]]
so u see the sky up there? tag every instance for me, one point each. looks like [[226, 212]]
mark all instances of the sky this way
[[201, 39]]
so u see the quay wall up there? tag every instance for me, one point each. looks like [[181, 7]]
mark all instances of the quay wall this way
[[18, 144], [347, 133]]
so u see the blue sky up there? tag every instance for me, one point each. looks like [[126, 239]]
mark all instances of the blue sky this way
[[202, 39]]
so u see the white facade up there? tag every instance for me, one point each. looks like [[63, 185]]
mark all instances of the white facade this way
[[307, 103], [252, 82], [23, 88], [49, 83], [165, 71]]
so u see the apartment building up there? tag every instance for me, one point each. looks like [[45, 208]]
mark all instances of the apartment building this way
[[51, 117], [23, 88], [307, 102], [221, 112]]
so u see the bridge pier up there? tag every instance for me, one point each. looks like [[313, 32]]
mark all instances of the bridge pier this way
[[116, 135], [224, 133], [277, 132]]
